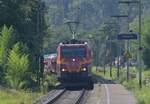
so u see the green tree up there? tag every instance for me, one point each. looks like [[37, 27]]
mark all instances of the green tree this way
[[5, 44], [146, 52], [145, 38], [17, 66], [22, 15]]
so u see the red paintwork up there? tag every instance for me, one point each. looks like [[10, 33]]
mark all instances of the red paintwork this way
[[68, 64]]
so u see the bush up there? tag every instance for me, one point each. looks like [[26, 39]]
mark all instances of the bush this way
[[5, 44], [17, 67], [51, 79], [146, 55], [143, 95], [1, 75], [131, 85]]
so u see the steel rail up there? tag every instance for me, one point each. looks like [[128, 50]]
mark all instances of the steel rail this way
[[80, 97], [75, 99], [51, 97]]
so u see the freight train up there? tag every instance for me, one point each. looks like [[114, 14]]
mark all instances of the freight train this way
[[73, 64]]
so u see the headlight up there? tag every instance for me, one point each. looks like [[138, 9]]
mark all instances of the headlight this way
[[84, 69], [85, 43], [63, 70]]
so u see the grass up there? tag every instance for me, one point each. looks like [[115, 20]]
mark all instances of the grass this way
[[101, 73], [142, 95], [8, 96]]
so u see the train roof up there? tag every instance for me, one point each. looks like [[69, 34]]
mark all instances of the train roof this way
[[73, 42]]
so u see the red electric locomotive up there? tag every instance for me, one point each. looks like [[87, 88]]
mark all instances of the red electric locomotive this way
[[74, 64]]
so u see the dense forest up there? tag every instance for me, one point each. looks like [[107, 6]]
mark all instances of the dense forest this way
[[21, 43], [93, 15], [32, 28]]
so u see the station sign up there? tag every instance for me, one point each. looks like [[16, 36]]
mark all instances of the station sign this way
[[128, 36]]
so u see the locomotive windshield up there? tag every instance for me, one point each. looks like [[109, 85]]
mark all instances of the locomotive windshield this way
[[73, 52]]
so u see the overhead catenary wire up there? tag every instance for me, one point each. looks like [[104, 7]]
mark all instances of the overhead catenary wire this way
[[73, 23]]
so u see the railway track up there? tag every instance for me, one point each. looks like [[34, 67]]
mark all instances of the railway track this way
[[70, 97], [62, 97], [51, 96]]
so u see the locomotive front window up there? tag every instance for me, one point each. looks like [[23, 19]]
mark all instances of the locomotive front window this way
[[73, 52]]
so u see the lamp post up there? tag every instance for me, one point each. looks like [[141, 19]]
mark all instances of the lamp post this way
[[118, 17], [110, 52], [110, 43], [95, 40], [104, 30], [38, 34], [140, 49], [119, 47]]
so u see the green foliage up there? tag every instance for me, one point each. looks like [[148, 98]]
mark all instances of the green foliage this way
[[132, 84], [146, 55], [146, 52], [49, 82], [17, 67], [11, 96], [143, 95], [54, 37], [5, 44], [5, 37], [22, 15], [145, 37], [90, 14]]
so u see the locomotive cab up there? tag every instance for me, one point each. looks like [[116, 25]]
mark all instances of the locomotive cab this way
[[74, 64]]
